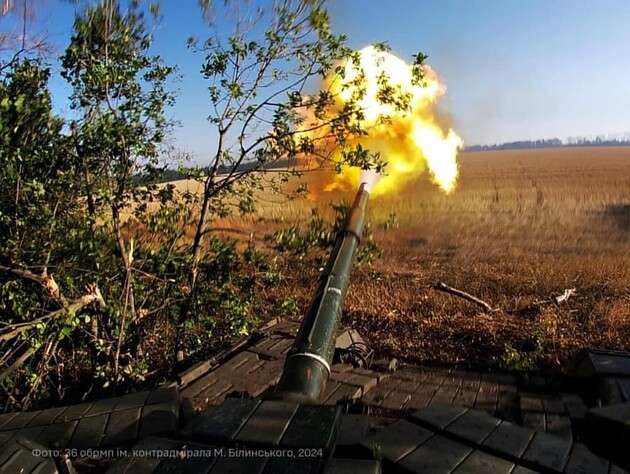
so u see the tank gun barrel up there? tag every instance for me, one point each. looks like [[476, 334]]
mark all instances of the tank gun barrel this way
[[307, 366]]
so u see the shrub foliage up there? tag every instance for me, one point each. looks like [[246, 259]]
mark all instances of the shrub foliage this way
[[102, 287]]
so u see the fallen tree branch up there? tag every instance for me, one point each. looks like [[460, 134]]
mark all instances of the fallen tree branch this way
[[462, 294], [49, 352], [20, 360], [568, 293], [46, 281], [93, 295]]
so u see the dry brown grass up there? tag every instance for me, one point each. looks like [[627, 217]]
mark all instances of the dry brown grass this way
[[521, 226]]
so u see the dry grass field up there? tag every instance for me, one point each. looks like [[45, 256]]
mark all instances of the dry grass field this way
[[522, 226]]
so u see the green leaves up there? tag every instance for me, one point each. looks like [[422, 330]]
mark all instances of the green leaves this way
[[206, 10], [119, 88], [216, 64], [60, 195], [417, 69], [319, 234], [35, 177], [362, 158]]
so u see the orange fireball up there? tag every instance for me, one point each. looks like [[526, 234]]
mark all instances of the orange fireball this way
[[409, 139]]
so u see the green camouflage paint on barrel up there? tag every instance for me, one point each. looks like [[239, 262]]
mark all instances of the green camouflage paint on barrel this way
[[307, 367]]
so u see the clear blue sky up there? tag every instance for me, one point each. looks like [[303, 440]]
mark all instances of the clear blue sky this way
[[515, 69]]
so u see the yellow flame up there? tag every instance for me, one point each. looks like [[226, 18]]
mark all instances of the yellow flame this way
[[408, 140]]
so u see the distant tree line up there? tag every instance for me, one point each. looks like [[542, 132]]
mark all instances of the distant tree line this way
[[599, 140]]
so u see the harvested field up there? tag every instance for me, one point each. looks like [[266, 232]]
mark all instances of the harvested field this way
[[521, 227]]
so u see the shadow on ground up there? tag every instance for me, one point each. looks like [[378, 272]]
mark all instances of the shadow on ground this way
[[620, 215]]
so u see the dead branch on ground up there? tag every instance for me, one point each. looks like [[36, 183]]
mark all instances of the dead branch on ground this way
[[462, 294], [568, 293]]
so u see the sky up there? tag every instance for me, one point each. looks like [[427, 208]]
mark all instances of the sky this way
[[514, 69]]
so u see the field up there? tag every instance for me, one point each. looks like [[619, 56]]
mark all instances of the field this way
[[521, 227]]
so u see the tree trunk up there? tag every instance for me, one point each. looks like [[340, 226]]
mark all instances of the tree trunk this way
[[192, 278], [127, 257], [202, 226]]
